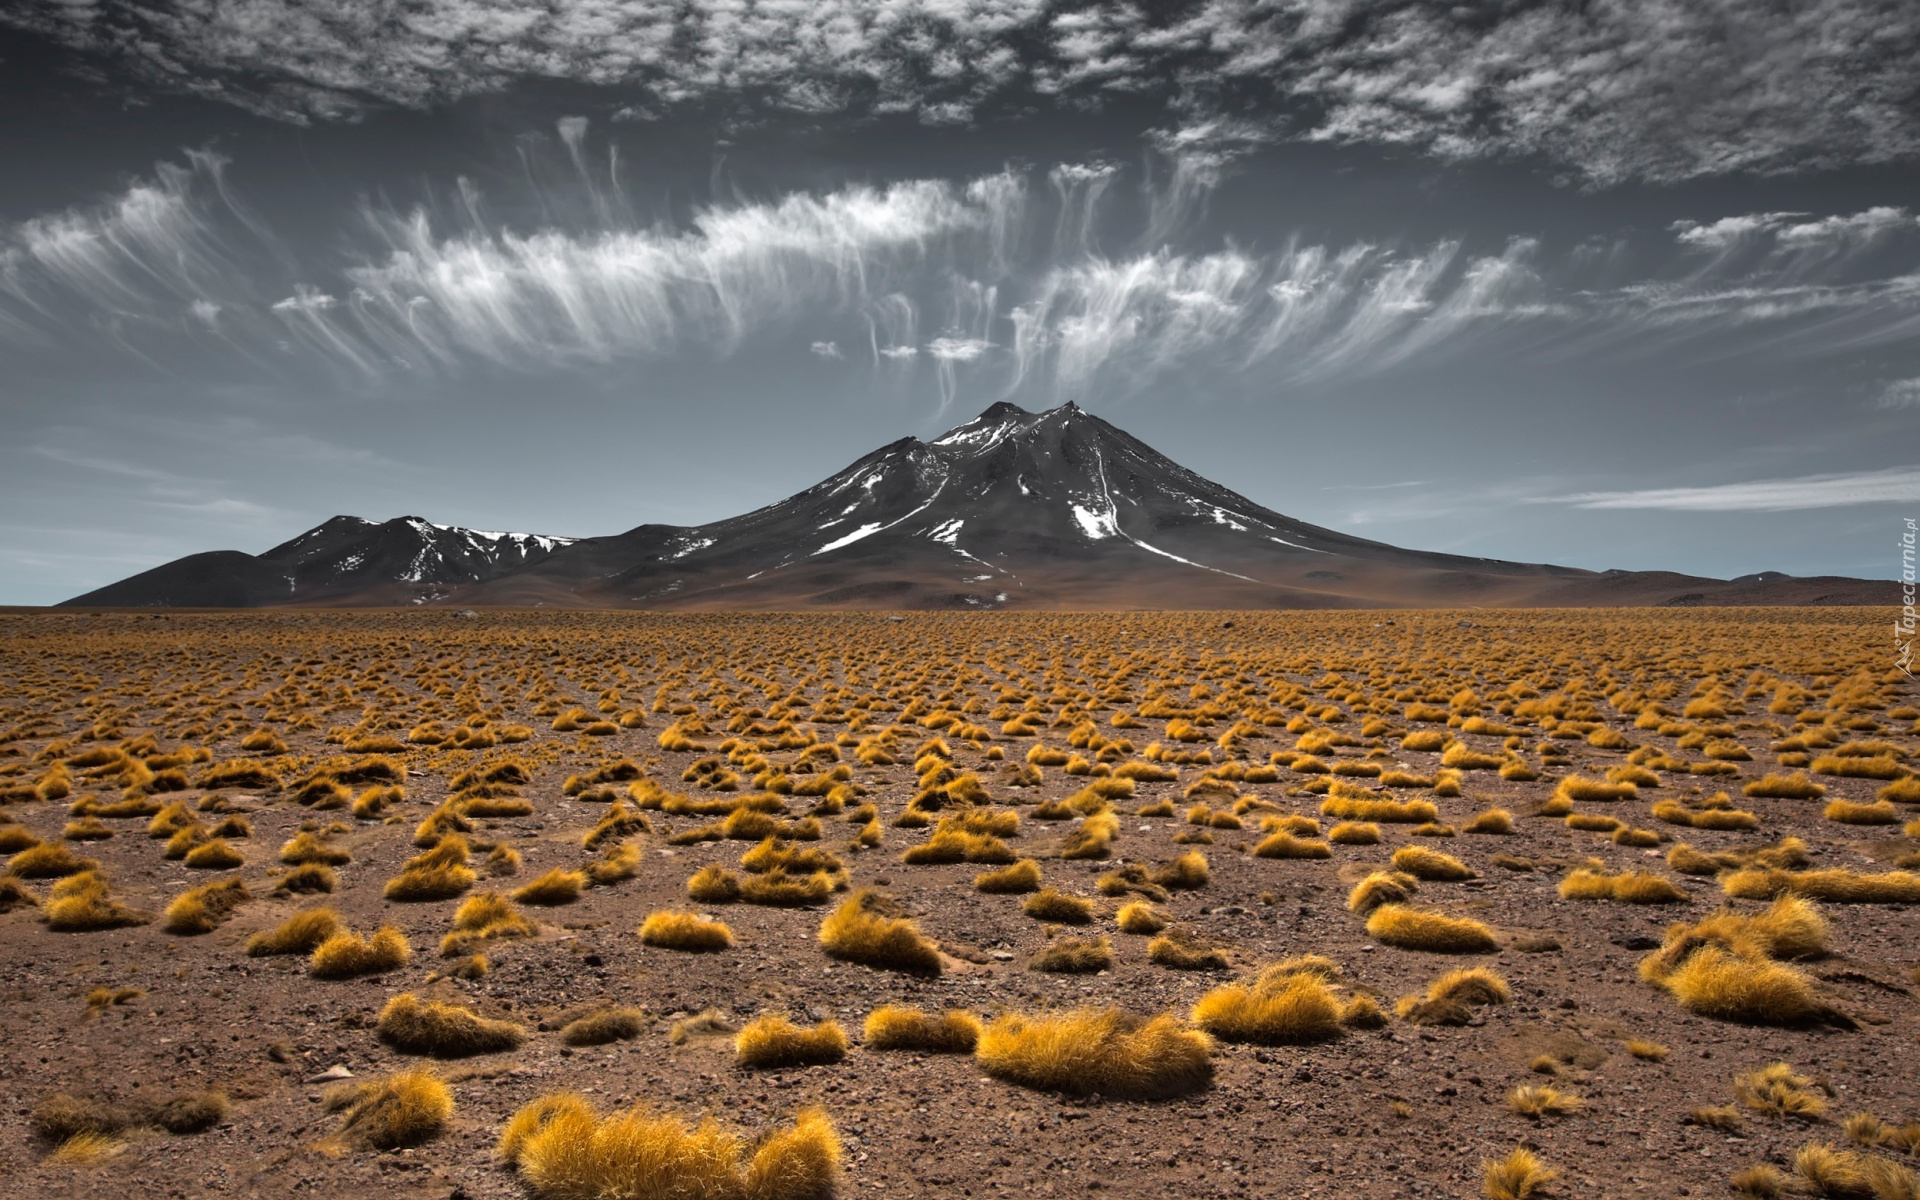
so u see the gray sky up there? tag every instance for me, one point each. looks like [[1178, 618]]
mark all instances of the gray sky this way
[[1607, 285]]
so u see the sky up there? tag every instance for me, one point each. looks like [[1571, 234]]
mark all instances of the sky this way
[[1603, 284]]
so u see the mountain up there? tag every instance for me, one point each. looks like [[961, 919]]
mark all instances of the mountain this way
[[346, 559], [1012, 509]]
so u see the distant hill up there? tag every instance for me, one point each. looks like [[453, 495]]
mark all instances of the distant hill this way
[[1012, 509]]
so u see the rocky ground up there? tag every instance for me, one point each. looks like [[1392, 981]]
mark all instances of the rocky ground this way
[[1404, 1111]]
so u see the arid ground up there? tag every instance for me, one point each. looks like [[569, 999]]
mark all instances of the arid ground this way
[[505, 742]]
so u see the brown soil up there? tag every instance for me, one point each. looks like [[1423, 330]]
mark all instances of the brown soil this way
[[1406, 1111]]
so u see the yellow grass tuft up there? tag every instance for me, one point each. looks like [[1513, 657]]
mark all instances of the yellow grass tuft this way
[[1846, 812], [1451, 999], [566, 1151], [1435, 933], [892, 1027], [603, 1026], [1140, 917], [300, 933], [83, 903], [1378, 888], [1778, 1090], [1106, 1051], [1354, 833], [1493, 820], [868, 929], [713, 885], [1278, 1009], [1542, 1100], [406, 1108], [203, 909], [1431, 865], [685, 931], [1022, 876], [772, 1042], [1074, 956], [1058, 907], [1519, 1176], [347, 955], [414, 1026], [558, 886], [1629, 887]]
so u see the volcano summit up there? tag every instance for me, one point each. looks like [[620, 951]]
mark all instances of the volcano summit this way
[[1013, 509]]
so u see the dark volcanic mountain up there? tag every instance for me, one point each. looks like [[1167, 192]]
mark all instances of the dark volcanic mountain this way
[[1012, 509], [344, 560]]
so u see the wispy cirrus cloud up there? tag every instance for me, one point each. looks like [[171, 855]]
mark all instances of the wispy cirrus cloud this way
[[1614, 90], [996, 285], [1898, 485]]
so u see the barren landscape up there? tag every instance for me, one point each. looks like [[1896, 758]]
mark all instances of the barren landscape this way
[[1572, 903]]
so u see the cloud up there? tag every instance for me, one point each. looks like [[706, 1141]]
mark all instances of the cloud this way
[[1615, 90], [826, 350], [1898, 485], [1900, 393]]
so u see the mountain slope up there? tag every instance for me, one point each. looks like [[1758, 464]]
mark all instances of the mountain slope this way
[[398, 561], [1012, 509]]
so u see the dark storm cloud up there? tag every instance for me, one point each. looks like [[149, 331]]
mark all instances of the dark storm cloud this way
[[1650, 89]]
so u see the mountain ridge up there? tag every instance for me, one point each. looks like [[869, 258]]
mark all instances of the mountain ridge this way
[[1012, 509]]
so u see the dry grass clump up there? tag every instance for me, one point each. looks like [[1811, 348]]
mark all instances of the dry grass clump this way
[[307, 847], [685, 931], [1436, 933], [1182, 950], [1776, 786], [713, 885], [1285, 845], [481, 917], [1628, 887], [439, 874], [1493, 821], [1189, 871], [1354, 833], [1542, 1100], [772, 1042], [347, 955], [49, 860], [1048, 904], [414, 1026], [1838, 885], [1778, 1090], [1140, 917], [1431, 865], [566, 1151], [954, 845], [205, 908], [1074, 956], [1451, 999], [556, 887], [1107, 1051], [868, 929], [300, 933], [1279, 1008], [778, 888], [1357, 808], [1022, 876], [894, 1027], [83, 903], [406, 1108], [1378, 888], [1728, 984], [604, 1026], [1645, 1051], [313, 877], [1519, 1176], [1847, 812]]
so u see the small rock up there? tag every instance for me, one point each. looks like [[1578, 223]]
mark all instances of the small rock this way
[[336, 1071]]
